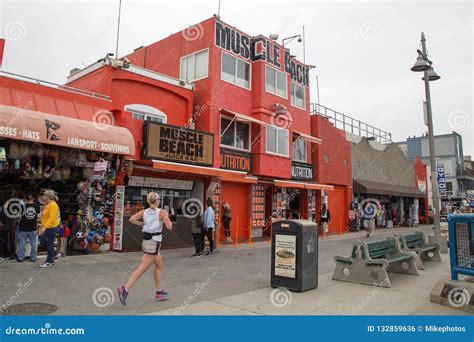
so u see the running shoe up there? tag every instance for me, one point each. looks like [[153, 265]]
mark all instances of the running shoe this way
[[197, 255], [56, 258], [161, 295], [46, 264], [122, 295]]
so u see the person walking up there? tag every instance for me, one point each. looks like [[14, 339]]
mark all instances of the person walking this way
[[196, 228], [28, 229], [227, 216], [324, 218], [208, 226], [152, 220], [50, 221]]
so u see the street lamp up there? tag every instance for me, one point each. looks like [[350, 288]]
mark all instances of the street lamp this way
[[291, 38], [423, 64]]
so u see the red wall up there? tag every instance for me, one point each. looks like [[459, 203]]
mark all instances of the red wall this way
[[236, 194]]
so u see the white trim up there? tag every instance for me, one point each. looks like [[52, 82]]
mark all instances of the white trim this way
[[237, 119], [243, 60], [146, 111], [135, 70], [276, 153], [87, 70], [195, 53], [286, 83], [291, 95], [200, 167]]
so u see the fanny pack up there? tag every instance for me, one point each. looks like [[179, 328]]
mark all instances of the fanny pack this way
[[148, 236]]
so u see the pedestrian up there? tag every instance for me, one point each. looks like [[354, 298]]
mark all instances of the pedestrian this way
[[152, 220], [208, 227], [226, 218], [28, 228], [64, 233], [50, 221], [324, 218], [196, 229]]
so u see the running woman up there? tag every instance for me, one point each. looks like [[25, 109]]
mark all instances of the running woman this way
[[152, 220]]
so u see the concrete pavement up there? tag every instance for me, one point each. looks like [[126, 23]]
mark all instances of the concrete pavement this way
[[235, 281]]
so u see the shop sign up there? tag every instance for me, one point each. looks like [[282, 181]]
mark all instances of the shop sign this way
[[160, 183], [234, 160], [441, 179], [421, 185], [301, 171], [176, 144], [260, 49], [285, 256], [118, 217]]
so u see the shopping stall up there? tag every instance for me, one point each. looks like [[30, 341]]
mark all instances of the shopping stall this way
[[76, 158]]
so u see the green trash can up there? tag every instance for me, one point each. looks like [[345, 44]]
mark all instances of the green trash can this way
[[295, 255]]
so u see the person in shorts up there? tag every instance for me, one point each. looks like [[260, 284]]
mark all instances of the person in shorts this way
[[152, 220]]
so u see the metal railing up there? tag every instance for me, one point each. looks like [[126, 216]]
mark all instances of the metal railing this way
[[54, 85], [351, 125]]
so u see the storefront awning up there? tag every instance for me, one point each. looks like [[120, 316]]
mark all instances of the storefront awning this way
[[43, 128], [243, 117], [308, 138], [376, 188], [303, 185], [225, 175]]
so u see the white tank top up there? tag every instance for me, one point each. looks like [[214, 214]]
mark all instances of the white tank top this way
[[153, 224]]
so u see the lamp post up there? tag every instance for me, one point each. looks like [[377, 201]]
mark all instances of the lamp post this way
[[423, 64]]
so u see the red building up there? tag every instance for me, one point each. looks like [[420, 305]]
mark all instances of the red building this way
[[253, 95], [421, 183], [334, 166]]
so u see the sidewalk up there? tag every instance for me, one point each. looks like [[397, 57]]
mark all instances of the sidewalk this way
[[235, 281]]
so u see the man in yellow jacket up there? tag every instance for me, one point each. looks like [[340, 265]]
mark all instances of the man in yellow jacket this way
[[50, 220]]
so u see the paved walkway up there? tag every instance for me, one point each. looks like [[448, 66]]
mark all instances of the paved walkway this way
[[235, 281]]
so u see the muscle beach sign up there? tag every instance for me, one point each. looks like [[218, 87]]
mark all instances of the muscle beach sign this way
[[260, 49]]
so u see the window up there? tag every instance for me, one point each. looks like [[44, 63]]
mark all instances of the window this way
[[326, 158], [297, 96], [449, 188], [235, 133], [275, 82], [146, 113], [235, 71], [277, 140], [194, 67], [299, 149]]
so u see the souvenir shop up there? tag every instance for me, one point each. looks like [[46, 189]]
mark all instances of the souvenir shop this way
[[41, 151]]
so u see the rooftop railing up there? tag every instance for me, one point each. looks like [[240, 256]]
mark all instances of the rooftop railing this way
[[351, 125]]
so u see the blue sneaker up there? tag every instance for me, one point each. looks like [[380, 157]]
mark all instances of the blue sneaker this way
[[161, 295], [122, 295]]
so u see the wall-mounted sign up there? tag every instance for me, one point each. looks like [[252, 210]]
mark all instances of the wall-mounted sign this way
[[441, 174], [260, 49], [234, 160], [173, 143], [160, 183], [421, 185], [301, 171]]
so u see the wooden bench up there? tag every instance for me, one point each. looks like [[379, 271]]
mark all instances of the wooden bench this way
[[370, 263], [417, 243]]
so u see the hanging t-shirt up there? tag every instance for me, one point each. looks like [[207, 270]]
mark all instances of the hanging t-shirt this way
[[29, 219]]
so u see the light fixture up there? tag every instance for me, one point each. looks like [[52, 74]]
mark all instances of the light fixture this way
[[432, 75], [273, 36], [421, 64], [291, 38]]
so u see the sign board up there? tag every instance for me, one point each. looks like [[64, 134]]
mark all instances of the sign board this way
[[285, 256], [176, 144], [422, 185], [441, 179], [160, 183], [118, 217], [301, 171], [235, 160], [260, 49]]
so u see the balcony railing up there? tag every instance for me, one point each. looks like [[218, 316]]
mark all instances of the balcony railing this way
[[351, 125]]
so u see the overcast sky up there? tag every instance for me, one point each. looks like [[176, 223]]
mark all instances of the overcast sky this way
[[363, 50]]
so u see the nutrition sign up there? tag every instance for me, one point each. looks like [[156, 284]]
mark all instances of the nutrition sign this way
[[173, 143]]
